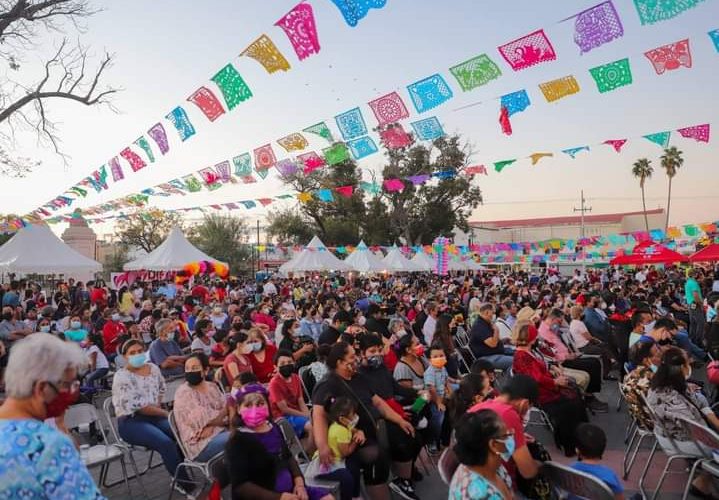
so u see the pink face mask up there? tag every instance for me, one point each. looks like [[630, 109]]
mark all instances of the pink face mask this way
[[253, 417]]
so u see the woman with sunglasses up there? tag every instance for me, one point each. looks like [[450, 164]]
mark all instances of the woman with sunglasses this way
[[483, 443]]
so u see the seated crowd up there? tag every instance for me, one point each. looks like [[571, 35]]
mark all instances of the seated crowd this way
[[368, 375]]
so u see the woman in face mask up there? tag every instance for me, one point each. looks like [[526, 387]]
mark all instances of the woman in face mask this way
[[670, 395], [483, 443], [409, 371], [44, 326], [258, 462], [75, 332], [201, 412], [203, 341], [238, 359], [137, 392], [261, 355], [301, 347], [36, 392]]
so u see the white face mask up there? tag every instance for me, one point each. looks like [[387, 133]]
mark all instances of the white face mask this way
[[361, 320]]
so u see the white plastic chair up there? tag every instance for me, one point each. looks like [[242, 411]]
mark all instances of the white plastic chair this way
[[99, 455]]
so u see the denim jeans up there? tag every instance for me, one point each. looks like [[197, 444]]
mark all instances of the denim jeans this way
[[349, 484], [682, 340], [96, 375], [435, 422], [153, 433], [298, 424], [500, 361], [214, 447]]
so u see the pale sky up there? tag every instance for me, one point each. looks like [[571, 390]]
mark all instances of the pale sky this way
[[167, 49]]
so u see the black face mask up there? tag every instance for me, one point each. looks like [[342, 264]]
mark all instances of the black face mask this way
[[375, 362], [193, 378], [287, 370]]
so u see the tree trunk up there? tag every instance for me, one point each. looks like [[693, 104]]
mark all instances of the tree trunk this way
[[669, 201], [644, 204]]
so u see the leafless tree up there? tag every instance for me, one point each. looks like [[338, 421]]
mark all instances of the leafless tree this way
[[68, 74]]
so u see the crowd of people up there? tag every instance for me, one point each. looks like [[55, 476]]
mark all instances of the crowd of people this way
[[368, 373]]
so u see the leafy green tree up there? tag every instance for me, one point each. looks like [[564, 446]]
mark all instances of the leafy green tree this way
[[146, 229], [290, 227], [415, 215], [116, 259], [225, 238]]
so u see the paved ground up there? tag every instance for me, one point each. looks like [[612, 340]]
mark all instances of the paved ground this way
[[615, 423]]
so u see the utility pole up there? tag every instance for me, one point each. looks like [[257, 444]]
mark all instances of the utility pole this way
[[258, 248], [582, 209]]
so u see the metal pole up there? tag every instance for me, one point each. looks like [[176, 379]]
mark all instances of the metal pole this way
[[258, 247], [582, 210]]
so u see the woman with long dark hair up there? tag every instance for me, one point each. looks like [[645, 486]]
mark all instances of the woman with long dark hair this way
[[444, 334]]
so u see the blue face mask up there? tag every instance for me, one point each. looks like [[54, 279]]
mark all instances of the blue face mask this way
[[75, 325], [653, 368], [76, 335], [509, 448], [137, 360]]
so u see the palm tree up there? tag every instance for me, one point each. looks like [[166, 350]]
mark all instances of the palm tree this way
[[642, 170], [672, 161]]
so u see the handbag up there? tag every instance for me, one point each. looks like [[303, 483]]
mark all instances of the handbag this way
[[379, 424]]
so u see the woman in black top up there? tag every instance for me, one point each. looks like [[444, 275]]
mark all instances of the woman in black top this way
[[345, 380]]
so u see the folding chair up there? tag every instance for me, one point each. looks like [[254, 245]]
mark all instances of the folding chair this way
[[575, 482], [99, 455], [446, 465], [306, 372], [672, 453], [189, 464], [706, 440], [109, 411], [543, 418], [298, 452]]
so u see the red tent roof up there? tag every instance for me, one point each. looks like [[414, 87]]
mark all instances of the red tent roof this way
[[706, 254], [648, 253]]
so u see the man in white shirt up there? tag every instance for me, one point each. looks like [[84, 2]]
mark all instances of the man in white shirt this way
[[640, 276], [269, 289], [430, 324]]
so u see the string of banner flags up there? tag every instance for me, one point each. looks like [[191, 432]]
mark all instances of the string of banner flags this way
[[223, 175], [594, 27]]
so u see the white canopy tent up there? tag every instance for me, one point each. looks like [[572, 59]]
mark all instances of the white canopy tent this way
[[395, 262], [36, 249], [363, 260], [456, 264], [172, 255], [314, 257], [423, 261]]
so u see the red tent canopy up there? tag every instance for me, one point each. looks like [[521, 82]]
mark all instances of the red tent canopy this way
[[648, 253], [707, 254]]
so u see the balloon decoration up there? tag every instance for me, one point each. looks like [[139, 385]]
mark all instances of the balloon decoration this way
[[202, 267]]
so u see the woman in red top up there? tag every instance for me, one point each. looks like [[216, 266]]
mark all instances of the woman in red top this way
[[565, 409], [261, 356]]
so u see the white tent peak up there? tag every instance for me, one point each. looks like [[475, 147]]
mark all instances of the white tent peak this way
[[36, 249], [396, 262], [364, 261], [316, 244], [172, 255], [361, 245]]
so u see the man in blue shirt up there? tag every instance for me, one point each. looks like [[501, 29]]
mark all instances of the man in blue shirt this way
[[11, 297], [485, 342], [165, 352]]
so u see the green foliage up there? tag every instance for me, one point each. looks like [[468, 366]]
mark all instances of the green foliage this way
[[225, 238], [416, 215], [146, 229], [290, 227], [114, 260]]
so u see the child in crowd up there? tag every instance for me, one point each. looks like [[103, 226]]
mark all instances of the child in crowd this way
[[591, 442], [436, 381], [97, 359], [242, 380], [342, 438]]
